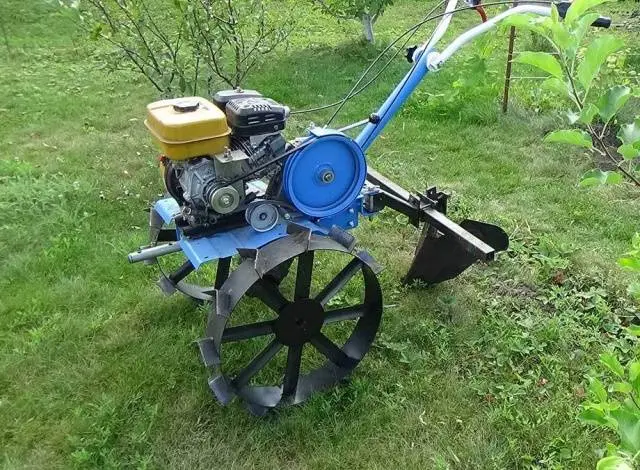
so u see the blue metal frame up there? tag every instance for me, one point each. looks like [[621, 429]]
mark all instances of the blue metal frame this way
[[394, 102], [225, 244]]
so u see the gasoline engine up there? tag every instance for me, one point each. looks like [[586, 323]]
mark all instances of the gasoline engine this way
[[279, 211], [214, 171]]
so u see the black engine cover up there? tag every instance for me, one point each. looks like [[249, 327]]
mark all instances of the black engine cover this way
[[255, 116]]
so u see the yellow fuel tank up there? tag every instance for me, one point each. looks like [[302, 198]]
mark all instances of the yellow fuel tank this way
[[188, 127]]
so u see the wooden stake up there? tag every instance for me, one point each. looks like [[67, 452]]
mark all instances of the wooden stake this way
[[507, 75]]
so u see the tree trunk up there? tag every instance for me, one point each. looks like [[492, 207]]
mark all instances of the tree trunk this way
[[367, 27]]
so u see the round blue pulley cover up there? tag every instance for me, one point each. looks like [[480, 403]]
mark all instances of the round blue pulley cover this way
[[326, 176]]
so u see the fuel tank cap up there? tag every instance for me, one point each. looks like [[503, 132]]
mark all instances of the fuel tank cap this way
[[186, 106]]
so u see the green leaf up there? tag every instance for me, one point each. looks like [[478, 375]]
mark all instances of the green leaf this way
[[579, 8], [596, 389], [613, 177], [588, 113], [581, 28], [613, 462], [555, 16], [629, 152], [557, 86], [542, 60], [559, 33], [612, 363], [634, 330], [611, 449], [621, 387], [572, 137], [593, 416], [596, 54], [573, 117], [634, 367], [526, 22], [597, 417], [629, 262], [630, 133], [577, 33], [612, 101], [628, 428], [598, 178]]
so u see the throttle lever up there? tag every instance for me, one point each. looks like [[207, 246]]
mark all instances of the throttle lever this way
[[602, 22], [477, 6]]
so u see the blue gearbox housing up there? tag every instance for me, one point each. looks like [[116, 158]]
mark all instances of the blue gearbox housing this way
[[325, 177]]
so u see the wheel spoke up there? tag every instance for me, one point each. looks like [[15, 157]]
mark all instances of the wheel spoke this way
[[332, 352], [337, 283], [269, 293], [257, 364], [292, 372], [251, 330], [347, 313], [222, 271], [182, 272], [303, 276]]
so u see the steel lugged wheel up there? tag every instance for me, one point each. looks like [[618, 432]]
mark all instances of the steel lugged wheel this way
[[297, 327]]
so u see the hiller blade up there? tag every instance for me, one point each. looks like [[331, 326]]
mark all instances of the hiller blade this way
[[443, 257]]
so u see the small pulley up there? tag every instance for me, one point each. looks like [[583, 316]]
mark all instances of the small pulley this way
[[326, 176], [225, 200], [263, 216]]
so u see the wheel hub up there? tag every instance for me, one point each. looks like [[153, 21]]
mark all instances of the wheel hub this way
[[299, 321]]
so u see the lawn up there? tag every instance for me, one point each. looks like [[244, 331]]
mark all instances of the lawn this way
[[97, 367]]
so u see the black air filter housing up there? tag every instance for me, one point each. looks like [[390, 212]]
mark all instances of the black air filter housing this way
[[255, 116], [224, 96]]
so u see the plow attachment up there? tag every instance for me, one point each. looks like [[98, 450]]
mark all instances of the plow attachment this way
[[440, 257], [445, 248]]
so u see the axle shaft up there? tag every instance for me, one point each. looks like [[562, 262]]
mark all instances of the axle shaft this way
[[152, 252]]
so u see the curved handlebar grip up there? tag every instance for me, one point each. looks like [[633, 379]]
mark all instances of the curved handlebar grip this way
[[602, 22]]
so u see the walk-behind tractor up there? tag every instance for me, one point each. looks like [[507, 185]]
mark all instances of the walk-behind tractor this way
[[273, 215]]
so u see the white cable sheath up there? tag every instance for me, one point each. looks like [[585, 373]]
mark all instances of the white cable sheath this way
[[435, 59], [442, 27]]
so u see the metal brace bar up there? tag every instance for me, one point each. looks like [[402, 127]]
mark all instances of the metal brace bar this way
[[470, 242], [389, 186], [401, 200]]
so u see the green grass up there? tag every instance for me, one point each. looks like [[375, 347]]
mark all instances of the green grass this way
[[97, 369]]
